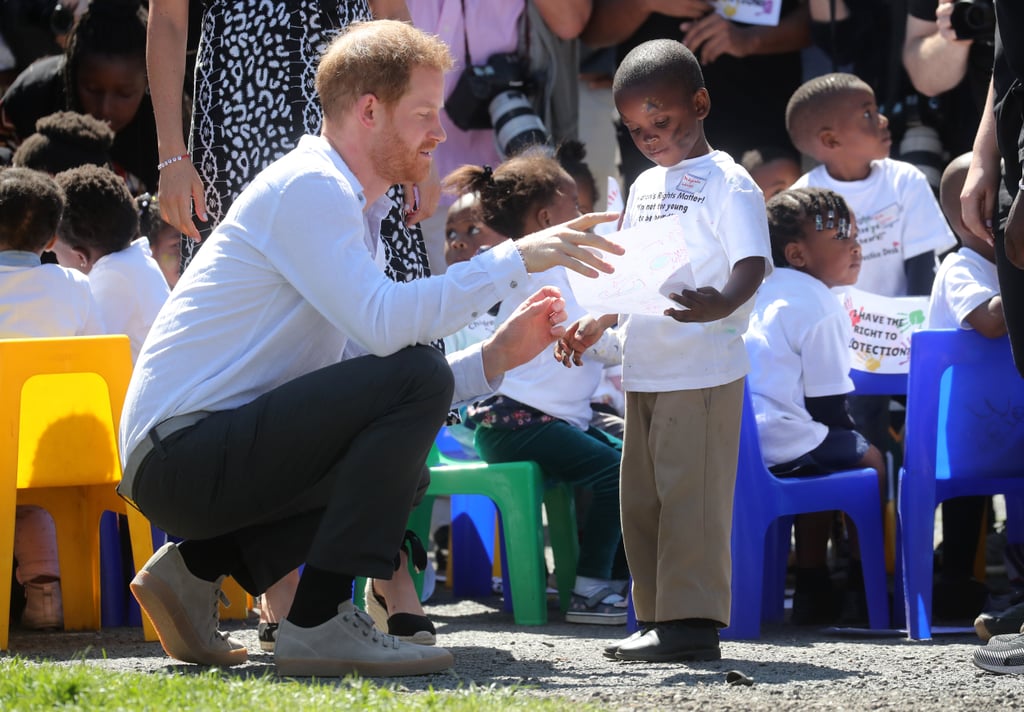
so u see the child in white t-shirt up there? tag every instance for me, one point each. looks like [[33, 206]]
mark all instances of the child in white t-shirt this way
[[38, 300], [99, 236], [798, 342], [540, 412], [683, 370], [835, 120]]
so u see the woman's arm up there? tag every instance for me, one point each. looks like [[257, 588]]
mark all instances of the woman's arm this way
[[180, 185]]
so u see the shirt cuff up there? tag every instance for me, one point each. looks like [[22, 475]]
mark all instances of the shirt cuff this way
[[504, 265], [470, 382]]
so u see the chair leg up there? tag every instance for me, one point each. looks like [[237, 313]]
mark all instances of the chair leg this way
[[525, 559], [917, 524], [748, 535], [6, 564], [776, 556], [561, 508], [872, 556]]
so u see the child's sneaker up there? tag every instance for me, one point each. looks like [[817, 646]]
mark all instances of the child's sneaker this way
[[1003, 654], [43, 607], [603, 608], [267, 635]]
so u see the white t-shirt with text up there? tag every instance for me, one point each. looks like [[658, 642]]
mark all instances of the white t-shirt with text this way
[[965, 281]]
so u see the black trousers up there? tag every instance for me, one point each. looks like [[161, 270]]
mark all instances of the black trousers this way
[[324, 469]]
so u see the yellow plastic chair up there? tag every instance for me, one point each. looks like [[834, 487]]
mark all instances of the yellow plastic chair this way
[[60, 410]]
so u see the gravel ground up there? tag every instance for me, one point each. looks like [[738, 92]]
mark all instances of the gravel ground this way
[[791, 668]]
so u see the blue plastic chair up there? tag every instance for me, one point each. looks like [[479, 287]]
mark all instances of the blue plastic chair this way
[[763, 510], [965, 436]]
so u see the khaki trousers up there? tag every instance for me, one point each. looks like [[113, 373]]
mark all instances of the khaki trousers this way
[[676, 488]]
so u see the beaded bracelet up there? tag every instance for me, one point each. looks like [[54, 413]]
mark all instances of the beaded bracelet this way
[[173, 159]]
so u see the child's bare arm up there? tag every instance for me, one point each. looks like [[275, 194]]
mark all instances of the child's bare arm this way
[[987, 319], [708, 304], [581, 336]]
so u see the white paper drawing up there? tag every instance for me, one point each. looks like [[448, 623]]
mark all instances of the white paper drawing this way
[[615, 205], [656, 264], [752, 12]]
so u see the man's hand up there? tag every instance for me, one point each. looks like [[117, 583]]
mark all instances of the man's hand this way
[[943, 15], [579, 337], [529, 330], [712, 36], [565, 245], [181, 188], [1014, 240]]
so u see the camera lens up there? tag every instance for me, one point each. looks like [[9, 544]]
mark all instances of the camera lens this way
[[516, 126], [973, 20], [62, 19]]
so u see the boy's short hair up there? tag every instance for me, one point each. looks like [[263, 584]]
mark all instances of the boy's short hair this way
[[789, 211], [31, 204], [662, 63], [810, 109], [101, 216], [64, 140], [375, 57]]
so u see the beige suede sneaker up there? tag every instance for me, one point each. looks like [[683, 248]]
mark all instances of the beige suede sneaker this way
[[349, 643], [184, 610]]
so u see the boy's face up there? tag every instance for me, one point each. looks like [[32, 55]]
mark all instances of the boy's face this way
[[775, 176], [823, 255], [465, 234], [665, 122], [860, 134]]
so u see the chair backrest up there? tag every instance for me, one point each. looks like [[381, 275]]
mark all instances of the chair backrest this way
[[60, 409], [965, 407], [868, 383]]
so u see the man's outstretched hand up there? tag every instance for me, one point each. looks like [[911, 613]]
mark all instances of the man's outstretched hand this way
[[566, 245], [531, 328]]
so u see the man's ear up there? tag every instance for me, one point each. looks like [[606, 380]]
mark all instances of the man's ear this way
[[701, 103], [794, 253], [368, 109]]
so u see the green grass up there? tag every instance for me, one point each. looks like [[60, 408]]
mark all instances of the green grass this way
[[26, 685]]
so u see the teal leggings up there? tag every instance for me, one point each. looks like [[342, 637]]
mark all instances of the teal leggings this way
[[588, 459]]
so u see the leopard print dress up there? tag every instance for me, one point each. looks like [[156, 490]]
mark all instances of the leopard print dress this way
[[255, 98]]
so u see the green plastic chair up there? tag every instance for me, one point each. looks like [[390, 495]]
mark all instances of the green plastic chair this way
[[518, 491]]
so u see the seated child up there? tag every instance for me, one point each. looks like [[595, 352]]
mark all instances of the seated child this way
[[99, 236], [540, 412], [64, 140], [164, 239], [38, 300], [834, 119], [773, 169], [798, 342], [572, 155], [965, 295]]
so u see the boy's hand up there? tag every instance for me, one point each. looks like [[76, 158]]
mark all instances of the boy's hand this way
[[579, 337], [702, 304]]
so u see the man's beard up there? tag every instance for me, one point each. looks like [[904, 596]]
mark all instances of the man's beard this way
[[398, 162]]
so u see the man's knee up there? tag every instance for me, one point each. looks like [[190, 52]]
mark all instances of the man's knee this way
[[427, 367]]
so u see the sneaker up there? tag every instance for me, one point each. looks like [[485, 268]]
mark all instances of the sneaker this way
[[184, 611], [267, 635], [1000, 622], [349, 643], [43, 607], [1003, 654], [409, 627], [603, 608]]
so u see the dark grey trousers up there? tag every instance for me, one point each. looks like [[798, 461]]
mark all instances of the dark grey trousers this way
[[323, 469]]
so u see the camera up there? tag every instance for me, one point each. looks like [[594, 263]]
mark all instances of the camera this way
[[495, 96], [974, 20]]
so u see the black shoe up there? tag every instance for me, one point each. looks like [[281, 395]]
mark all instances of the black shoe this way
[[610, 650], [669, 641]]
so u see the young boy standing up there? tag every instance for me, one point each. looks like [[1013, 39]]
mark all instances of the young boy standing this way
[[834, 119], [683, 371]]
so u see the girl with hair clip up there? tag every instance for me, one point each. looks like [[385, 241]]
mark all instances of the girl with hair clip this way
[[102, 72], [542, 412], [798, 342]]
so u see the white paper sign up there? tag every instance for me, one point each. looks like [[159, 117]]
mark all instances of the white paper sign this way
[[752, 12], [656, 263], [881, 329], [614, 205]]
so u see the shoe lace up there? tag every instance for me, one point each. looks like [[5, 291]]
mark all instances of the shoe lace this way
[[217, 598], [364, 624]]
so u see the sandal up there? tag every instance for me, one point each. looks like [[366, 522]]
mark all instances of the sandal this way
[[408, 627], [583, 609]]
